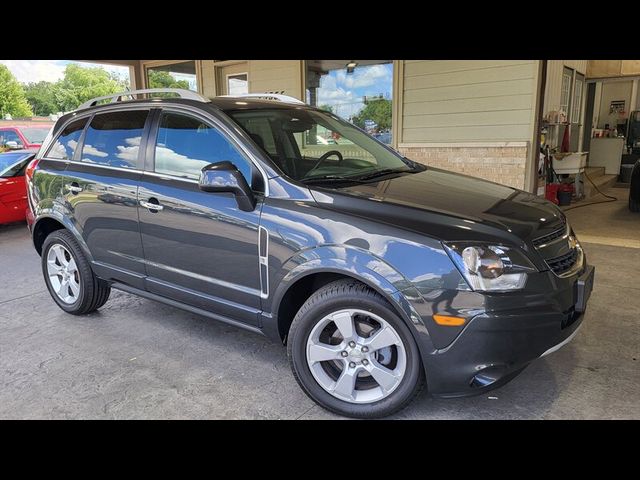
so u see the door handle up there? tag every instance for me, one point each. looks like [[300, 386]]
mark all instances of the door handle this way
[[74, 188], [151, 206]]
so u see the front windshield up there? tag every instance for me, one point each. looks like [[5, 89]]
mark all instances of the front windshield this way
[[310, 145], [35, 135]]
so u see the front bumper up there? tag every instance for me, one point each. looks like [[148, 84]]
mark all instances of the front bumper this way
[[511, 332]]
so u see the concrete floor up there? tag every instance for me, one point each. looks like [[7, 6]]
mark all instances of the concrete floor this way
[[139, 359]]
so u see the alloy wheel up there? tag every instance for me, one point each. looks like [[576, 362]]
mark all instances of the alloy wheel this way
[[356, 356], [63, 274]]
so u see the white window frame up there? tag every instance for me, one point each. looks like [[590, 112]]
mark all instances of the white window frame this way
[[226, 80]]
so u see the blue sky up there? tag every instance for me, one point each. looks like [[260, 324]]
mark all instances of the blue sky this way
[[345, 91]]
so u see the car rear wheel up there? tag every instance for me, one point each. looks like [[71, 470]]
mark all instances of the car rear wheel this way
[[352, 354], [68, 275]]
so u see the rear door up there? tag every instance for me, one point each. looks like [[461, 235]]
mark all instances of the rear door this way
[[100, 191]]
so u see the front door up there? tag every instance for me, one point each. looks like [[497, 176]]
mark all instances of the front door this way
[[199, 247], [100, 191]]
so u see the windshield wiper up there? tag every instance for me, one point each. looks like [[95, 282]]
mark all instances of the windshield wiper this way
[[382, 173], [329, 178]]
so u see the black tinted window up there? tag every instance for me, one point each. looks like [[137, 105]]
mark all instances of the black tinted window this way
[[65, 145], [113, 139], [186, 144]]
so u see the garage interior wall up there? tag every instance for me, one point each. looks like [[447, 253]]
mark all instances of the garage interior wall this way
[[475, 117]]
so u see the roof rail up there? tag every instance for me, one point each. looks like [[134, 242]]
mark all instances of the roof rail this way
[[182, 93], [268, 96]]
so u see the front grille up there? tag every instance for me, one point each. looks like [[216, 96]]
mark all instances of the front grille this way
[[550, 237], [561, 264]]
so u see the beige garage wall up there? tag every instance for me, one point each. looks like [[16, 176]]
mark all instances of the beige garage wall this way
[[281, 76], [470, 116]]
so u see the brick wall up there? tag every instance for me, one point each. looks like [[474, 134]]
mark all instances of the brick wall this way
[[501, 163]]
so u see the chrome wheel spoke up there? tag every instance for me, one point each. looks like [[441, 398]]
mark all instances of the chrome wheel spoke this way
[[386, 378], [63, 289], [53, 268], [319, 352], [75, 288], [346, 383], [344, 322], [59, 252], [71, 266], [385, 337]]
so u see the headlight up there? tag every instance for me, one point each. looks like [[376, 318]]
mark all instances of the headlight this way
[[490, 267]]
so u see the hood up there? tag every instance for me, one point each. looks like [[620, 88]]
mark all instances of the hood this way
[[448, 206]]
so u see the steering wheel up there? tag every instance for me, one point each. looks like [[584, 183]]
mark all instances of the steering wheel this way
[[323, 158]]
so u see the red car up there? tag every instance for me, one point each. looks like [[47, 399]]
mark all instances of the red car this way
[[13, 190], [24, 136]]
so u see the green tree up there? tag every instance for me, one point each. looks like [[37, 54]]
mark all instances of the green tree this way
[[162, 79], [80, 84], [12, 99], [378, 110], [41, 97], [327, 108]]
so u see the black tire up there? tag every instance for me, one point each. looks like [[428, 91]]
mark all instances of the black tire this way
[[352, 294], [94, 292], [634, 204]]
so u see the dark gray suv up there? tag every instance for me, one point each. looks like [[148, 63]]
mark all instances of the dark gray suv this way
[[381, 275]]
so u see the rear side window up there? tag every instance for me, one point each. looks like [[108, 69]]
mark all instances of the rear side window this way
[[65, 145], [185, 144], [113, 139]]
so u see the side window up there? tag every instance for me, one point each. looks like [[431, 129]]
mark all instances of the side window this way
[[113, 139], [186, 144], [65, 145], [10, 136]]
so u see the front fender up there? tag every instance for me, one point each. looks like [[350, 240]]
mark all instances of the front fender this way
[[362, 266]]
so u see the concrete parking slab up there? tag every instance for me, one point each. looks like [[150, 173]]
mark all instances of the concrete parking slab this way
[[139, 359]]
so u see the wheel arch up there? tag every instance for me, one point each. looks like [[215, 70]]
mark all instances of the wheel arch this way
[[300, 283], [46, 224]]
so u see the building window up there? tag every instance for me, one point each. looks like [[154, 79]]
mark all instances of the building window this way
[[577, 99], [238, 84], [359, 91], [565, 90], [174, 75]]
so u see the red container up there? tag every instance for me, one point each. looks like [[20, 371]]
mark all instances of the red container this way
[[551, 192]]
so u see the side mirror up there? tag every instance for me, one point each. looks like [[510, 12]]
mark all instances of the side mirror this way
[[225, 177], [12, 145]]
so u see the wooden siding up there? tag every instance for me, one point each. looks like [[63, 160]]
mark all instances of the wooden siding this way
[[468, 100]]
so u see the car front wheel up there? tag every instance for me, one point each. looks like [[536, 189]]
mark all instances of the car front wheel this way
[[352, 354]]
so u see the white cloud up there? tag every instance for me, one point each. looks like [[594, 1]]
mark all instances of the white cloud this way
[[35, 70], [129, 152], [364, 76], [173, 163], [93, 151]]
